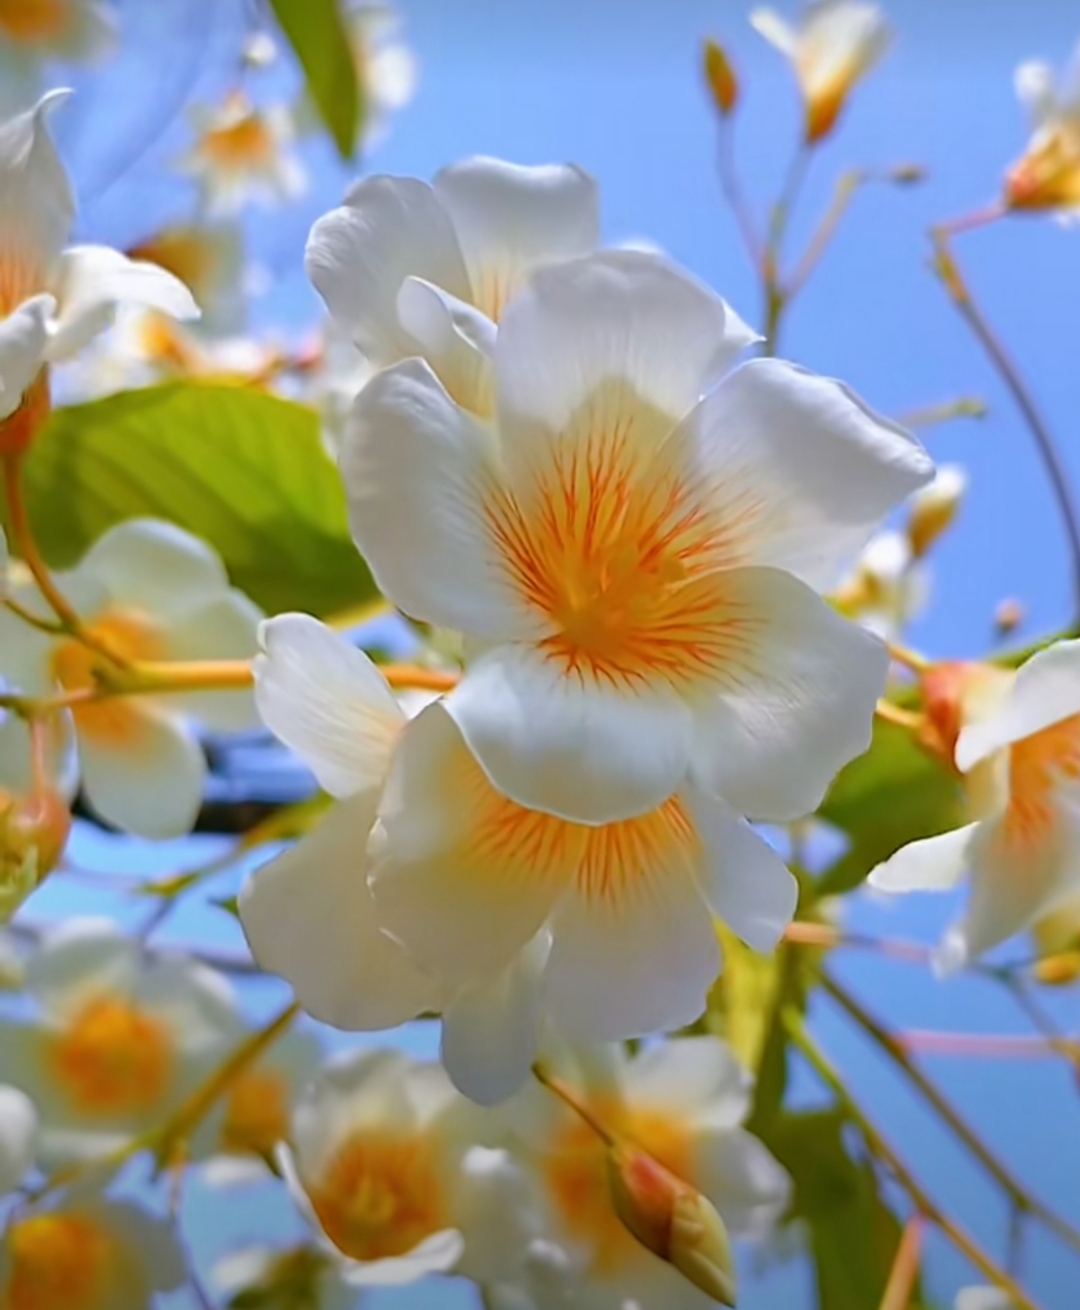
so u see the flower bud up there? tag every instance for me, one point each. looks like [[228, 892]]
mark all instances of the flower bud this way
[[33, 833], [934, 508], [1008, 616], [907, 174], [672, 1219], [720, 76]]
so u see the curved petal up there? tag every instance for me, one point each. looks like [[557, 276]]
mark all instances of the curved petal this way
[[495, 1208], [796, 701], [37, 207], [455, 339], [799, 467], [776, 30], [490, 1028], [154, 566], [586, 751], [92, 281], [223, 629], [633, 950], [390, 228], [326, 700], [18, 1134], [1036, 91], [744, 881], [24, 336], [462, 876], [690, 1077], [308, 916], [930, 865], [82, 953], [1045, 691], [144, 774], [415, 467], [510, 219], [618, 316], [742, 1179], [437, 1254]]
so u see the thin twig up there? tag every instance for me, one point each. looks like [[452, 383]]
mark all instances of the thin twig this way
[[905, 1270], [733, 192], [846, 186], [992, 1046]]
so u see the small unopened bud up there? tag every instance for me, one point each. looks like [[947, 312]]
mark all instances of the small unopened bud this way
[[720, 77], [33, 833], [907, 174], [1057, 970], [672, 1219], [934, 508], [1008, 616]]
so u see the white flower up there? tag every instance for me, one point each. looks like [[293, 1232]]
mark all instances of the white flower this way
[[244, 154], [384, 1168], [683, 1101], [149, 592], [511, 913], [18, 1137], [832, 45], [887, 588], [34, 32], [54, 298], [1047, 176], [635, 564], [117, 1039], [86, 1251], [407, 269], [386, 67], [1019, 747]]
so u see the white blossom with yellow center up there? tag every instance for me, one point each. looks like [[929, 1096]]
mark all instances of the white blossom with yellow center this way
[[34, 32], [407, 269], [683, 1102], [1019, 749], [149, 592], [832, 45], [117, 1039], [633, 551], [1047, 176], [88, 1251], [54, 298], [383, 1166]]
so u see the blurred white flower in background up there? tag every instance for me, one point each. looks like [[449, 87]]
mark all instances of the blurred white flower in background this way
[[1047, 176], [37, 32]]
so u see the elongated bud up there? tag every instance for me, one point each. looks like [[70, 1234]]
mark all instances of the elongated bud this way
[[720, 77], [672, 1219], [33, 833], [934, 508]]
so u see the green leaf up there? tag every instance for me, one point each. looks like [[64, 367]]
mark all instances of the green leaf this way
[[895, 793], [316, 31], [245, 471]]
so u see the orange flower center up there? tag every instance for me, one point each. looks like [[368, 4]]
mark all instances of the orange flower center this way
[[114, 1058], [133, 636], [32, 22], [256, 1113], [1048, 176], [576, 1175], [58, 1262], [1038, 766], [381, 1195], [243, 141], [618, 549]]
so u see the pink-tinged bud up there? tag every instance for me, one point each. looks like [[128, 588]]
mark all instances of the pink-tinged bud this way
[[672, 1219], [33, 834], [720, 77]]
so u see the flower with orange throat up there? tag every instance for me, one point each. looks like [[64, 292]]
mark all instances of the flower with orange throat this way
[[1018, 748], [833, 44], [33, 32], [243, 154], [54, 298], [633, 549], [145, 592], [118, 1037], [1047, 175], [411, 270], [680, 1104], [85, 1250], [384, 1167]]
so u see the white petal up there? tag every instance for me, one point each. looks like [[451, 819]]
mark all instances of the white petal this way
[[92, 281], [37, 207], [1035, 89], [327, 701], [776, 30], [436, 1254], [146, 779], [743, 1180], [308, 915], [691, 1077], [588, 751], [25, 651], [461, 876], [490, 1028], [932, 864], [622, 316], [223, 629], [801, 687], [154, 1257], [1046, 690], [18, 1137], [455, 339], [634, 949], [359, 255], [983, 1298], [496, 1212], [801, 466], [351, 1090], [743, 879], [154, 566], [510, 219], [81, 954], [23, 339], [416, 468]]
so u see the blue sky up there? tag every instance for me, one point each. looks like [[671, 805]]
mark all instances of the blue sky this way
[[614, 85]]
